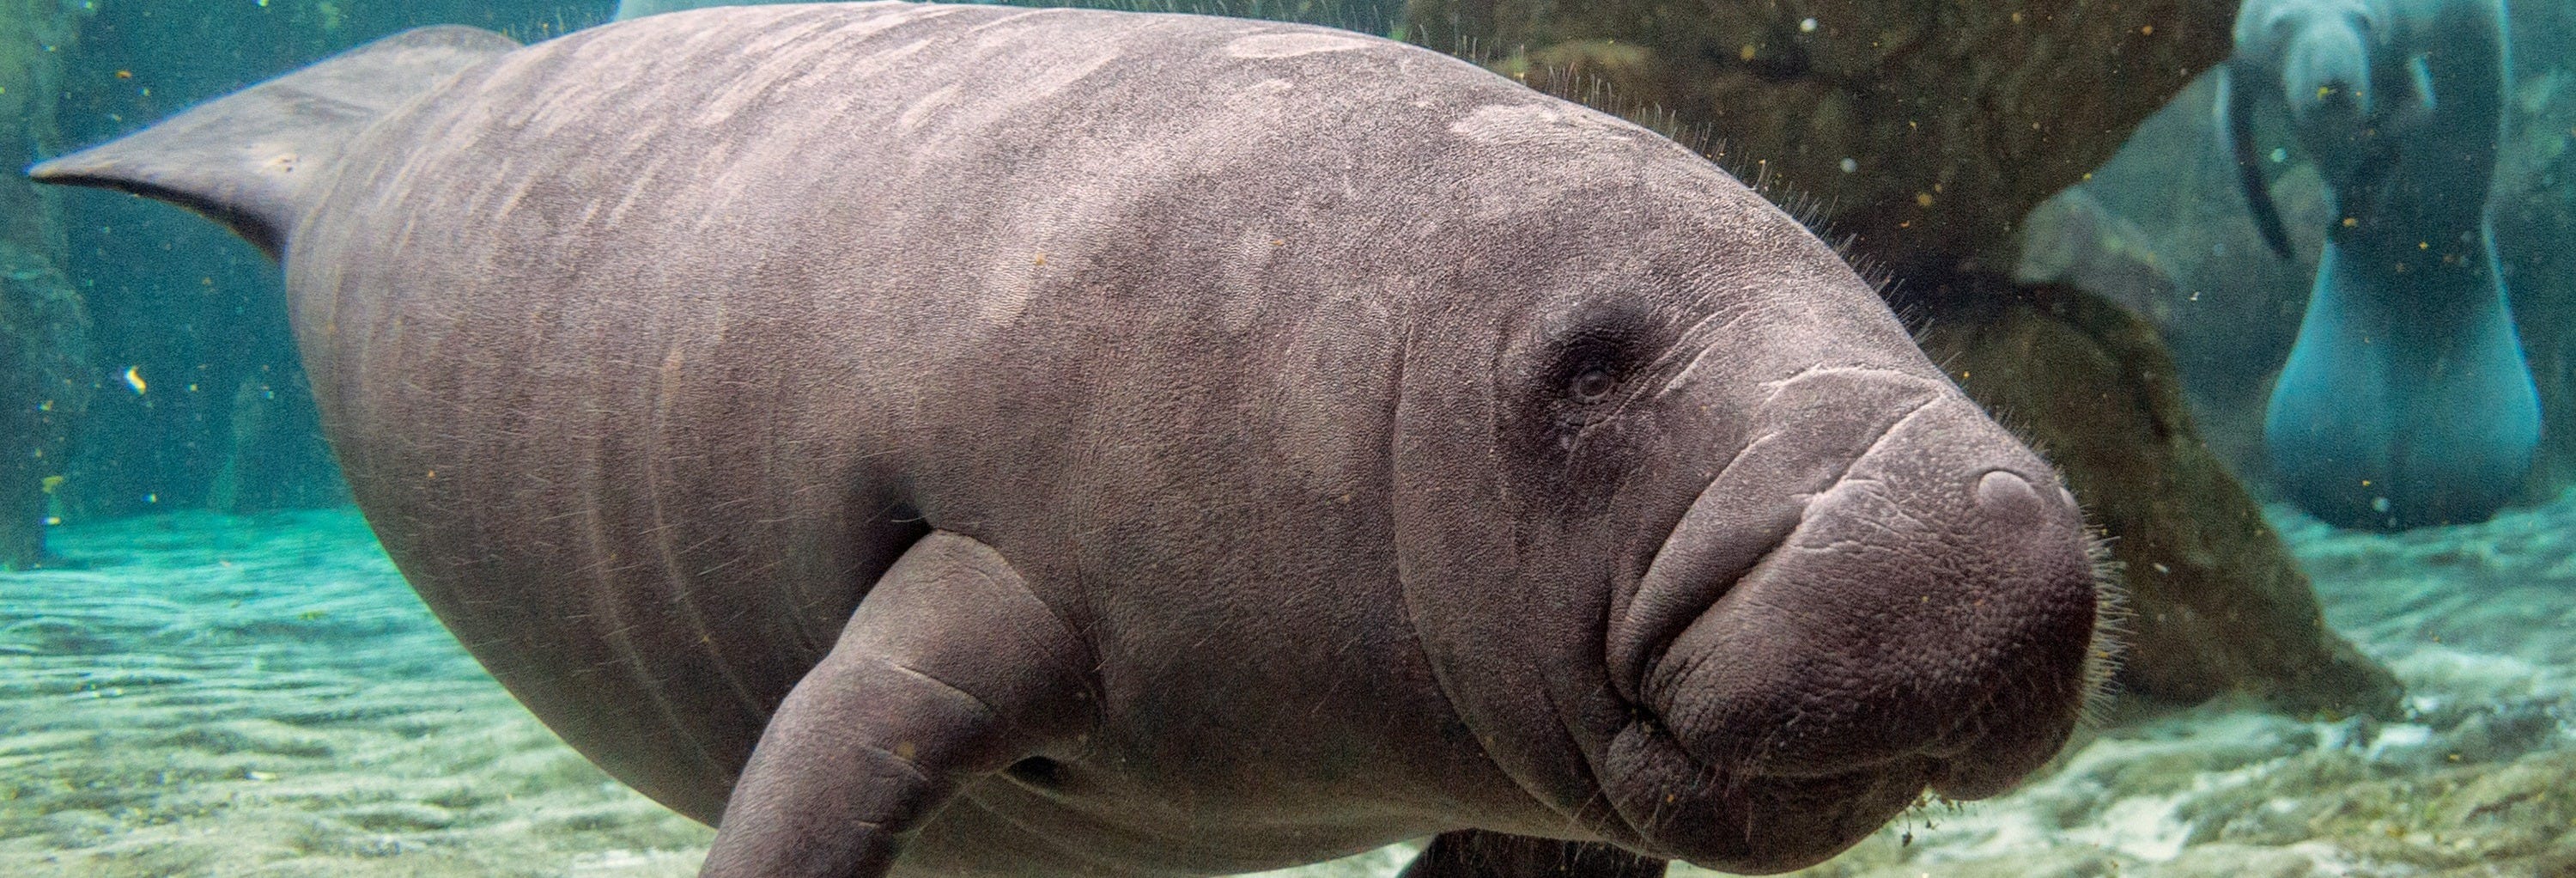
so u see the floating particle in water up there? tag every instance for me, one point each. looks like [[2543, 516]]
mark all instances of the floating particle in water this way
[[134, 379]]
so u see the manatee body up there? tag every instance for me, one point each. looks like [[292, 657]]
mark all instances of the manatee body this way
[[2406, 399], [973, 441]]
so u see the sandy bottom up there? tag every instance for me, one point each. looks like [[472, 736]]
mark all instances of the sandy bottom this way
[[204, 695]]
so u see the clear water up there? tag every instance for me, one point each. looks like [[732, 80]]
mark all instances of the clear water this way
[[219, 673]]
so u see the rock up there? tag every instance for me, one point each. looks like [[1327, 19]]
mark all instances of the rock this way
[[2216, 604], [277, 459], [397, 817], [2529, 792], [74, 830], [44, 326], [45, 386], [2233, 861], [2163, 230], [1925, 127]]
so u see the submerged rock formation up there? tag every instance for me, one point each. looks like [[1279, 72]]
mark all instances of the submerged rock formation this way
[[1926, 128], [45, 375]]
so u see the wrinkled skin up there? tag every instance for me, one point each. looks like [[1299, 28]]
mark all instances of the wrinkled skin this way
[[968, 441]]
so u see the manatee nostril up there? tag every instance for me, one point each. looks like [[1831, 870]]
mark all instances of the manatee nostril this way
[[2005, 494]]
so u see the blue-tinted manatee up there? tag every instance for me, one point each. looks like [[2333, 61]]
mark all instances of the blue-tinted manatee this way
[[974, 441], [2406, 400]]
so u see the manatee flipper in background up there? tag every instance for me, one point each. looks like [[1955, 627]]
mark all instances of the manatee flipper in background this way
[[244, 160], [951, 670], [2406, 400], [2236, 119], [1473, 853]]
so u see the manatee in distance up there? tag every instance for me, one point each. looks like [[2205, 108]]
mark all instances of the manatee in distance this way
[[2406, 399]]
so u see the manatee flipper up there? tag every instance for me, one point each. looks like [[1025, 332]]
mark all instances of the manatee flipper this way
[[1475, 853], [2236, 117], [952, 669], [244, 160]]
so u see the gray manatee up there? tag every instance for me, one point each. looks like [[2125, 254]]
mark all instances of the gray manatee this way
[[2406, 400], [976, 441]]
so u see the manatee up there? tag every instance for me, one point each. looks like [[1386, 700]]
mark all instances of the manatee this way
[[975, 441], [2406, 400]]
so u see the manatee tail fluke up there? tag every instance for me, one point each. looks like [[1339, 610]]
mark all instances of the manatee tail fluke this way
[[246, 159], [2236, 116], [2391, 420]]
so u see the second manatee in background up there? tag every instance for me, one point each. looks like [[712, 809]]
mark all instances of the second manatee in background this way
[[2406, 400]]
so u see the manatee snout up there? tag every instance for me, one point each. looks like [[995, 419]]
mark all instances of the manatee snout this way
[[1926, 618], [2324, 78], [2319, 49]]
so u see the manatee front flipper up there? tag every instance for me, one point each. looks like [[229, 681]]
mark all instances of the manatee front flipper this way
[[1475, 853], [2236, 117], [951, 669]]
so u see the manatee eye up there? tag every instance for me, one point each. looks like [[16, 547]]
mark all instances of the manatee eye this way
[[1565, 379], [1592, 386]]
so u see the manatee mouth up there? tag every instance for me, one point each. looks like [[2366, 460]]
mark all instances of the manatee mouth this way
[[1752, 823], [1751, 509], [1924, 620]]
